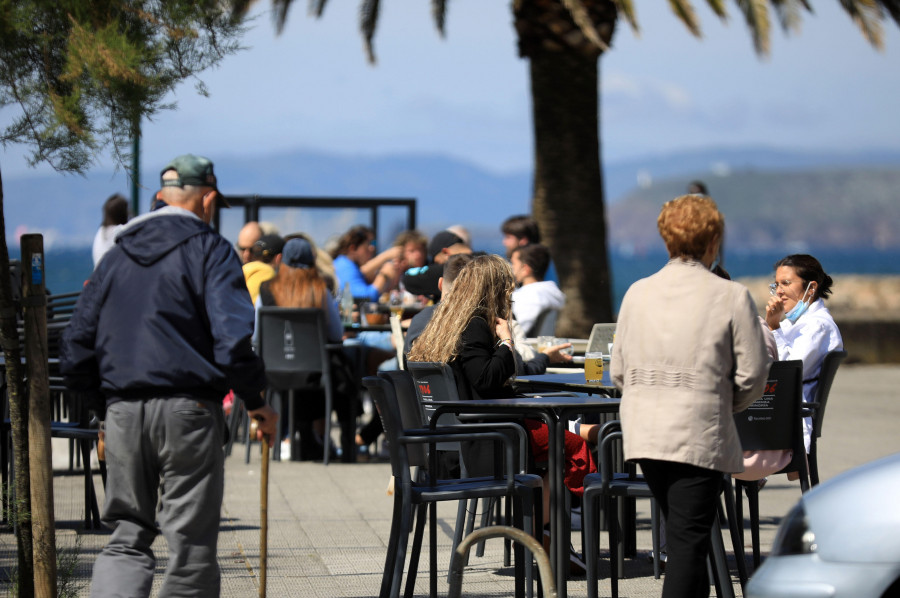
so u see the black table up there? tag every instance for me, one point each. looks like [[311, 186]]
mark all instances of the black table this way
[[554, 411], [574, 382], [356, 327]]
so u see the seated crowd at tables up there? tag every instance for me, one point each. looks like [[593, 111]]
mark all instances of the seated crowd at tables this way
[[476, 311]]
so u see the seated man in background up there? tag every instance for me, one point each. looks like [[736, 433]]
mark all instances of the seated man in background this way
[[529, 264], [424, 280], [250, 234], [263, 258], [519, 231]]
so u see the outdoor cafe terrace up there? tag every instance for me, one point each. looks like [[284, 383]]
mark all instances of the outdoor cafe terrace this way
[[328, 526]]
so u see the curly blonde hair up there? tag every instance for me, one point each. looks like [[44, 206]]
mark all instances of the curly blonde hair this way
[[688, 224], [483, 289]]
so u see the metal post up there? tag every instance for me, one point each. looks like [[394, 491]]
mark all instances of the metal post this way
[[136, 170], [34, 302]]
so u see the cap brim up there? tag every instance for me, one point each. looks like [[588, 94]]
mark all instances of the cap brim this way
[[222, 200]]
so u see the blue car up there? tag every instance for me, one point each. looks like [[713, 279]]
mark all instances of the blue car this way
[[841, 539]]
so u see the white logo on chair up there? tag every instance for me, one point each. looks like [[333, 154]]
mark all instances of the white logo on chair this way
[[288, 340]]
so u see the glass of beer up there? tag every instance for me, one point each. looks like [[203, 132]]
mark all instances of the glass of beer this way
[[593, 368], [544, 342]]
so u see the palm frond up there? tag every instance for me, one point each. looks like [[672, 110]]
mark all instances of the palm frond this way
[[686, 14], [867, 14], [280, 11], [439, 12], [582, 18], [317, 7], [788, 12], [893, 8], [626, 9], [368, 18], [239, 8], [756, 13], [718, 7]]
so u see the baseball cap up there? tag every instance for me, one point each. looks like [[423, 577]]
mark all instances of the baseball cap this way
[[298, 253], [192, 170], [442, 240], [267, 248]]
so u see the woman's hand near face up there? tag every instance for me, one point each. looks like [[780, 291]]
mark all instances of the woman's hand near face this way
[[502, 329], [774, 312]]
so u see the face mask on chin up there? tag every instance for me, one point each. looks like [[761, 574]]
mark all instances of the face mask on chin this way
[[799, 309]]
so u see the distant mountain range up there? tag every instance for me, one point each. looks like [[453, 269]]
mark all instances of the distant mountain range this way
[[768, 196]]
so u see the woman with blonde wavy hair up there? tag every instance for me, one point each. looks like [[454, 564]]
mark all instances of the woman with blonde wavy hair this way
[[470, 331]]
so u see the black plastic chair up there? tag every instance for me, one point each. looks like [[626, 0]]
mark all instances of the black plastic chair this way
[[410, 402], [614, 487], [434, 383], [293, 346], [424, 488], [773, 422], [826, 377], [611, 486]]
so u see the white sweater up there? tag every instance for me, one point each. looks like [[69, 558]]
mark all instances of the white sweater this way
[[531, 299]]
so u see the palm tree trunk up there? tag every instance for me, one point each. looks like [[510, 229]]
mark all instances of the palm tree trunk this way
[[20, 511], [568, 198]]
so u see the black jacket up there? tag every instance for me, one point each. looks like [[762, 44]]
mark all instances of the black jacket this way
[[482, 368], [166, 313]]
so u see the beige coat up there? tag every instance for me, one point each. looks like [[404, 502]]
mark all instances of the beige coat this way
[[689, 352]]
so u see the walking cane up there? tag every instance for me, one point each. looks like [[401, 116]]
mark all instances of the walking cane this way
[[264, 517]]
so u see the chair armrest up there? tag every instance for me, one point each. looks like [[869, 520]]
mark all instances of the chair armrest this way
[[504, 424], [432, 437]]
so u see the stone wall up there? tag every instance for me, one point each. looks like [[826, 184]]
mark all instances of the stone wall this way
[[865, 308]]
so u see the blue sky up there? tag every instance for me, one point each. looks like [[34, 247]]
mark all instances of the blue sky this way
[[467, 96]]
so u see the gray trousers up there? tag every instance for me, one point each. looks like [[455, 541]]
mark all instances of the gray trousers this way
[[165, 451]]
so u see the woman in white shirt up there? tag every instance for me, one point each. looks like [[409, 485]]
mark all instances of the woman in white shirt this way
[[115, 214], [801, 324]]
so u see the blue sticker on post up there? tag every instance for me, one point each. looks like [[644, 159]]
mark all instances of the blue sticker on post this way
[[37, 268]]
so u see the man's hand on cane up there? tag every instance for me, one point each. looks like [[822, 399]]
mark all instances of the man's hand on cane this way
[[266, 422]]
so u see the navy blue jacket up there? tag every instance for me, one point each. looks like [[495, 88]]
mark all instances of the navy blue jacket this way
[[166, 313]]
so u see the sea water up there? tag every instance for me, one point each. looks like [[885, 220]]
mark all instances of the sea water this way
[[67, 269]]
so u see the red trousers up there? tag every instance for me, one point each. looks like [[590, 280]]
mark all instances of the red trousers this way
[[579, 458]]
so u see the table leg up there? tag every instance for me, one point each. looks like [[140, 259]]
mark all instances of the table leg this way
[[556, 426]]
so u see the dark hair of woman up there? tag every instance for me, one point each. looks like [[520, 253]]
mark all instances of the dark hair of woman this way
[[115, 210], [352, 238], [810, 270]]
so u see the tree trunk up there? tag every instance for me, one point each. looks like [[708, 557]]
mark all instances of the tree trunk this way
[[568, 185], [20, 512]]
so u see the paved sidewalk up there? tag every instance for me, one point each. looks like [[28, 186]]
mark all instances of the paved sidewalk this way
[[329, 526]]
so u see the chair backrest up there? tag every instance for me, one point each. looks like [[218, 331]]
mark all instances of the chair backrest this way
[[826, 377], [382, 393], [435, 382], [411, 414], [601, 336], [774, 421], [293, 347], [544, 324], [398, 338]]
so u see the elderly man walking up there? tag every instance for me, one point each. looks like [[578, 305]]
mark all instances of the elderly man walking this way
[[162, 330]]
